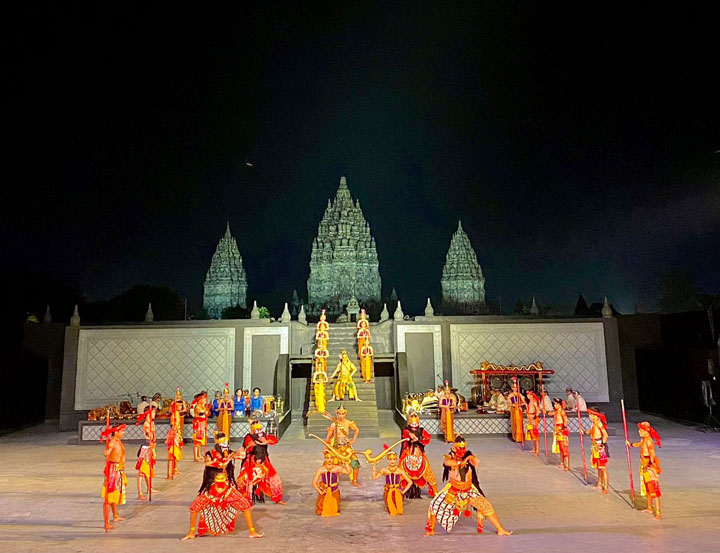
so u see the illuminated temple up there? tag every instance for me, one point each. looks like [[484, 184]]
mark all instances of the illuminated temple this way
[[225, 282], [344, 260], [463, 283]]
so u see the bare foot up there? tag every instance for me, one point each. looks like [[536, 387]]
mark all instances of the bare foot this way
[[567, 469], [356, 484], [605, 492], [596, 487], [142, 498], [648, 510], [657, 516], [255, 534], [281, 502], [429, 532], [109, 527], [118, 519], [188, 536], [503, 532]]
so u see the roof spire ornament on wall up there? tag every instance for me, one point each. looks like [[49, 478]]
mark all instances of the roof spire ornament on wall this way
[[149, 315], [75, 319], [302, 318], [606, 309], [534, 308], [344, 260], [429, 311], [255, 312], [384, 314], [226, 281], [47, 317], [462, 282], [285, 317], [398, 315]]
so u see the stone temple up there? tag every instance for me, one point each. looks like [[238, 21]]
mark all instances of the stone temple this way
[[344, 261], [463, 283], [226, 282]]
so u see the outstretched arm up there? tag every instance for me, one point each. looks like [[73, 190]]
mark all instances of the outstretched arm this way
[[356, 432]]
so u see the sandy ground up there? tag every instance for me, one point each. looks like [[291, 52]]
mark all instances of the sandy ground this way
[[50, 501]]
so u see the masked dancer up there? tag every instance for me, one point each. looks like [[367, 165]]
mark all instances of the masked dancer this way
[[257, 466], [413, 459]]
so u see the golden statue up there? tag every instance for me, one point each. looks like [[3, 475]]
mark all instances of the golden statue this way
[[319, 379]]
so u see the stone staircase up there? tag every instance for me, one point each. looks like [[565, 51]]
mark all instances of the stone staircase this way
[[364, 413]]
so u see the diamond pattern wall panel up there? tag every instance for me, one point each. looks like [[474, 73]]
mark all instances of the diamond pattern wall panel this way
[[496, 425], [575, 351], [113, 363]]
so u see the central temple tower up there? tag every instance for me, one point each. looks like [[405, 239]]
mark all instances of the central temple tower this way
[[344, 261]]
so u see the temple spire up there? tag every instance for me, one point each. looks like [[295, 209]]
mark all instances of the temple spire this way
[[225, 282], [463, 283]]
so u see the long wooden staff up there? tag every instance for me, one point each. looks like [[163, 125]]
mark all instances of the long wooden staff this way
[[627, 449], [106, 471], [582, 444], [542, 393]]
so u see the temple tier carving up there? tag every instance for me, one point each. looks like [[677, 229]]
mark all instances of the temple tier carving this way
[[226, 281], [344, 260], [463, 283]]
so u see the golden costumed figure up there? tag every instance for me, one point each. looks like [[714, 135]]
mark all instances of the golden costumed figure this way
[[319, 379], [448, 406], [366, 362], [226, 406], [516, 402], [397, 481], [344, 373], [338, 440]]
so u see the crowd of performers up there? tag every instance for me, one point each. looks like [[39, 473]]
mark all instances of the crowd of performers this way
[[226, 492]]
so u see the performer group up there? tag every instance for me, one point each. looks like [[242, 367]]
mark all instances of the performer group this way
[[235, 480]]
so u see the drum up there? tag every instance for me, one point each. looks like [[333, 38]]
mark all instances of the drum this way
[[497, 382], [526, 383]]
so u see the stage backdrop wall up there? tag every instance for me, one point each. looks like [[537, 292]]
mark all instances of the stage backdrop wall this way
[[575, 351], [117, 361]]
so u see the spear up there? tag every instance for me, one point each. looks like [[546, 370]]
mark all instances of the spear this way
[[582, 443], [106, 471], [542, 393], [627, 449]]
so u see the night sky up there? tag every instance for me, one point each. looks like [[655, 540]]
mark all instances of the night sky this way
[[578, 144]]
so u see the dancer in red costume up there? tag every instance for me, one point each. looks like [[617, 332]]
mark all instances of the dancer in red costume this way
[[174, 438], [599, 452], [221, 498], [649, 466], [200, 410], [561, 433], [462, 493], [413, 459], [532, 425], [113, 490], [147, 455], [257, 466]]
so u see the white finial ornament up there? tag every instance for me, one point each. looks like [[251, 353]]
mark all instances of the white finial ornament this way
[[47, 318], [149, 315], [398, 315], [255, 312], [75, 319], [302, 318], [534, 308], [606, 309], [384, 314], [429, 311], [285, 317]]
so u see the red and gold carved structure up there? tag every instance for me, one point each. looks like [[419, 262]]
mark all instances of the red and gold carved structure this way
[[499, 377]]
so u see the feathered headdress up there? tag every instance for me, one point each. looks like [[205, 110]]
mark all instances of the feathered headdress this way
[[650, 430]]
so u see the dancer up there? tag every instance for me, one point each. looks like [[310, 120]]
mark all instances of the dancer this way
[[599, 456], [561, 433], [257, 466], [319, 379], [533, 422], [146, 454], [344, 386], [461, 493], [413, 459], [174, 439], [338, 436], [394, 478], [448, 406], [113, 490], [649, 466], [327, 484], [366, 362], [220, 497], [516, 402], [225, 409], [199, 410]]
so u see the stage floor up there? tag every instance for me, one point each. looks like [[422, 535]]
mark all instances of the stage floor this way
[[50, 501]]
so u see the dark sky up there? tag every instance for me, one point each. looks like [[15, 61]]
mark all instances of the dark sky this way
[[577, 143]]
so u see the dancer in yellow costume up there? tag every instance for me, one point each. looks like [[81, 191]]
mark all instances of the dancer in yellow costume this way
[[226, 406], [397, 483], [366, 362], [344, 373], [319, 379], [327, 484]]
